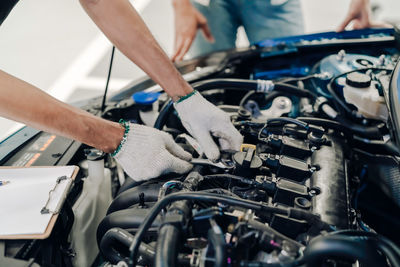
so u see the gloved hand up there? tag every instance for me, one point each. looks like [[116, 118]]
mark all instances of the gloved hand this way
[[148, 153], [202, 119]]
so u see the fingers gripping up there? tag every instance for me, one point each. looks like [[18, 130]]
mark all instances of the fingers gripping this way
[[207, 143], [176, 149], [176, 165], [229, 137]]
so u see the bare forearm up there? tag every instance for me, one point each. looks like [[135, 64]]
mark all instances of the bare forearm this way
[[123, 26], [177, 3], [25, 103]]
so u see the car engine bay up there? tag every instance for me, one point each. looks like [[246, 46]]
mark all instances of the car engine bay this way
[[315, 183]]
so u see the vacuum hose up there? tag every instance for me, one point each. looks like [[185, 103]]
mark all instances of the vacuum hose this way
[[362, 248], [263, 86], [168, 244]]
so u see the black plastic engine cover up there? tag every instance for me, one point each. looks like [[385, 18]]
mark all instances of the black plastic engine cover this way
[[331, 184]]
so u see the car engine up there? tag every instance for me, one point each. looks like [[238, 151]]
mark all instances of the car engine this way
[[315, 183]]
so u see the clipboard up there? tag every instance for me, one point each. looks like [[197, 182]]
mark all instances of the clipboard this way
[[51, 178]]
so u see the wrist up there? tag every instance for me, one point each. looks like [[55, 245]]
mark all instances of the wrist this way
[[176, 4], [107, 137], [183, 98], [186, 90], [119, 141], [116, 134], [96, 132]]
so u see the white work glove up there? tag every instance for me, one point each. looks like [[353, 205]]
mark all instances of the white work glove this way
[[202, 119], [148, 153]]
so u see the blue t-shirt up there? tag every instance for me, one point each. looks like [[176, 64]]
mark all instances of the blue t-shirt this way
[[5, 8]]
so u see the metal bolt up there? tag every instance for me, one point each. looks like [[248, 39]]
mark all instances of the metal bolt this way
[[228, 71], [282, 103], [341, 55], [231, 228], [314, 191], [382, 60]]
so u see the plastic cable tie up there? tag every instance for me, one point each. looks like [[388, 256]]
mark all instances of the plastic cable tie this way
[[265, 86]]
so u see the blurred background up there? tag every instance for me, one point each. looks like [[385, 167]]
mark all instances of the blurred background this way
[[53, 44]]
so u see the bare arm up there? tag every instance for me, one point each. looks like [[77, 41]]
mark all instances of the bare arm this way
[[187, 21], [119, 21], [360, 14], [123, 26], [25, 103]]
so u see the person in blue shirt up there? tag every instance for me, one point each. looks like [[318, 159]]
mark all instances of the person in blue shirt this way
[[204, 26]]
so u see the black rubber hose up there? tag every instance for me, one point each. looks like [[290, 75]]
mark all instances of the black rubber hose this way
[[344, 126], [265, 228], [381, 239], [370, 131], [231, 84], [349, 244], [326, 123], [268, 187], [238, 84], [339, 104], [246, 98], [294, 90], [118, 237], [365, 131], [207, 197], [129, 219], [115, 237], [228, 176], [390, 254], [168, 241], [267, 98], [340, 125], [224, 83], [167, 248], [147, 252], [219, 191], [274, 122], [163, 115], [217, 240], [342, 247], [284, 120], [132, 196], [128, 184]]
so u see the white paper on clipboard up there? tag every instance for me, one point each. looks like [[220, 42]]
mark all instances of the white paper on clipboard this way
[[22, 200]]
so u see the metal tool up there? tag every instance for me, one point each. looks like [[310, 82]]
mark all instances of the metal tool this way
[[219, 164], [191, 141]]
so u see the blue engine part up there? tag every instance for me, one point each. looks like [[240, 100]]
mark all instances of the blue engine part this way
[[325, 37], [275, 74], [342, 62]]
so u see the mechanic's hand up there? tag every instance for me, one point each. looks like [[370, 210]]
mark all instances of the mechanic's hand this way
[[187, 21], [360, 14], [148, 153], [202, 119]]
